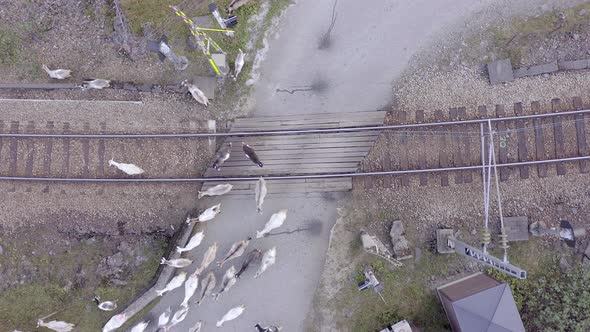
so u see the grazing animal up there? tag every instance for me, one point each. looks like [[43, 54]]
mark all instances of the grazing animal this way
[[229, 279], [233, 313], [194, 242], [164, 318], [207, 215], [106, 305], [267, 329], [177, 263], [140, 327], [260, 193], [221, 156], [190, 286], [207, 285], [196, 327], [208, 258], [235, 4], [237, 249], [56, 325], [252, 255], [96, 84], [173, 284], [129, 169], [197, 94], [58, 74], [239, 64], [268, 259], [251, 154], [218, 190], [115, 322], [178, 317], [276, 220]]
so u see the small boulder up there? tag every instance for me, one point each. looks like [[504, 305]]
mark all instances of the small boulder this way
[[564, 264], [401, 246], [115, 260]]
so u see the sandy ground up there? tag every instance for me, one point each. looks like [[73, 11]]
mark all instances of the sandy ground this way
[[370, 57]]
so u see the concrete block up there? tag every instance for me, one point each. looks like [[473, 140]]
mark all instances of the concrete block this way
[[207, 84], [500, 71], [221, 62], [536, 70], [442, 235], [574, 65], [517, 228]]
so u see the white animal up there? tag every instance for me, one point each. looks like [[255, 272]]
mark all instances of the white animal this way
[[229, 279], [207, 215], [106, 305], [178, 317], [233, 313], [190, 286], [129, 169], [192, 243], [115, 322], [276, 220], [268, 259], [96, 84], [207, 285], [218, 190], [164, 318], [177, 263], [260, 193], [196, 327], [237, 249], [197, 94], [58, 74], [239, 64], [173, 284], [208, 258], [140, 327], [56, 325]]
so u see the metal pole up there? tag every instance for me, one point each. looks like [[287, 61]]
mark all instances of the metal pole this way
[[502, 229], [485, 235]]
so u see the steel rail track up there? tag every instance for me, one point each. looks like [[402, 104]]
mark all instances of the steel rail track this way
[[299, 131], [289, 177]]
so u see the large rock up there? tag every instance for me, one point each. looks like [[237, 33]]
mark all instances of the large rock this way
[[401, 246]]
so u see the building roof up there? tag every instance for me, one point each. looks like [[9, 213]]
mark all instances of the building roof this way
[[479, 303]]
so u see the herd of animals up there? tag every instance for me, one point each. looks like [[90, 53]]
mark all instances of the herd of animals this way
[[100, 83], [191, 283], [208, 281]]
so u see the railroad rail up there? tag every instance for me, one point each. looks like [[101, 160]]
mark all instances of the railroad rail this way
[[403, 151]]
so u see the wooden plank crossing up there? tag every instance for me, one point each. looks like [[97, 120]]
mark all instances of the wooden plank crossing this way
[[299, 154]]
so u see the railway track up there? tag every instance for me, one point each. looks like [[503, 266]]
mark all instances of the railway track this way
[[446, 150], [50, 150], [526, 140]]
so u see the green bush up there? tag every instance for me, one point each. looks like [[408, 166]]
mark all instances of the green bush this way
[[552, 301]]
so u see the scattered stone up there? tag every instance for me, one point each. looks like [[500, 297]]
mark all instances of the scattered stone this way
[[576, 36], [473, 231], [118, 282], [401, 246], [564, 264], [115, 260], [583, 12], [417, 254], [1, 250]]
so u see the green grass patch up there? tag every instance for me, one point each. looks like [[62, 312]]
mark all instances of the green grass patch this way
[[10, 47], [20, 307]]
